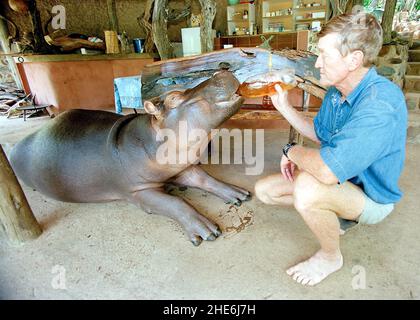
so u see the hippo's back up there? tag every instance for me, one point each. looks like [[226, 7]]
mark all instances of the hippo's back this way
[[67, 158]]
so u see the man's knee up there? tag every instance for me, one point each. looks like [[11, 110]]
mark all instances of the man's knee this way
[[261, 191], [308, 192]]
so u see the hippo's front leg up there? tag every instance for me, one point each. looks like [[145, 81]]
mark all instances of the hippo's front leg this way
[[196, 177], [197, 226]]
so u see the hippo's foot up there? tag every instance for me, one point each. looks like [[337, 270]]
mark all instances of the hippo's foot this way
[[196, 177], [200, 228], [197, 227]]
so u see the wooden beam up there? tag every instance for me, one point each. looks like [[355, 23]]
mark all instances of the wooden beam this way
[[245, 114], [183, 73], [16, 216]]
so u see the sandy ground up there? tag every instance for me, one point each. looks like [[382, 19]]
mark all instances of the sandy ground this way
[[116, 251]]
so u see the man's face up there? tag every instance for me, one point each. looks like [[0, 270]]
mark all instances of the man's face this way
[[333, 66]]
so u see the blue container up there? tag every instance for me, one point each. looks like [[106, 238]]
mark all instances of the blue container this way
[[138, 45]]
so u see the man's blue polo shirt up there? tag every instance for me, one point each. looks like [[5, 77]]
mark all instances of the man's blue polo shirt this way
[[363, 137]]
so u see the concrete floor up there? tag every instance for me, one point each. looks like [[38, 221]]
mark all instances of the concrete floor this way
[[116, 251]]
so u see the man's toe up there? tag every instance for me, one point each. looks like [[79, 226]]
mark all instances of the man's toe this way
[[301, 278], [296, 275], [311, 283], [291, 271]]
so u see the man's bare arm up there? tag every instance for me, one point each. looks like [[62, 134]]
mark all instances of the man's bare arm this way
[[304, 125], [309, 160]]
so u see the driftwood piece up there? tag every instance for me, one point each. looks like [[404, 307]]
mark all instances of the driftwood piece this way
[[182, 73], [176, 15], [16, 217], [145, 22], [14, 109], [312, 89], [69, 44], [160, 30], [14, 33]]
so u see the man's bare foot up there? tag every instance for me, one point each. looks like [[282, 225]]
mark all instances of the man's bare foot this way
[[316, 268]]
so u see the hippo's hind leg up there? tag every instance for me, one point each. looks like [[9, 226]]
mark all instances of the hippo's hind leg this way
[[197, 226], [196, 177]]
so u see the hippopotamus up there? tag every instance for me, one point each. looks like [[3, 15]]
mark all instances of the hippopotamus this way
[[98, 156]]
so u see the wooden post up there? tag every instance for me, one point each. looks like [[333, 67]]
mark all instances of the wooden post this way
[[258, 17], [112, 15], [387, 19], [16, 216], [4, 44], [40, 46]]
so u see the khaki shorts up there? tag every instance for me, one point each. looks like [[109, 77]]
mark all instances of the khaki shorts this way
[[374, 212]]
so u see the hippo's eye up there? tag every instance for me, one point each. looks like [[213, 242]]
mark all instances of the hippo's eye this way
[[224, 65]]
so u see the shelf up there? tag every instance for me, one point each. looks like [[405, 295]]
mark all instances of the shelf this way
[[239, 5], [311, 8], [80, 57], [283, 16], [235, 18], [308, 15], [285, 31], [309, 20]]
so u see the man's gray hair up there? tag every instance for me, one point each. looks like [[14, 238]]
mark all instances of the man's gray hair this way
[[360, 31]]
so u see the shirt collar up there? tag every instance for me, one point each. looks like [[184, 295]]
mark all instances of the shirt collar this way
[[369, 76]]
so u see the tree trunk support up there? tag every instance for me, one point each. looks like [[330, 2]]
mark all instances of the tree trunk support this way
[[16, 217]]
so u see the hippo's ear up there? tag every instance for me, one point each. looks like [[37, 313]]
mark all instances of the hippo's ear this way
[[152, 109]]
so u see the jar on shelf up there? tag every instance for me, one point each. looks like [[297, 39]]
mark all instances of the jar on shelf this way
[[245, 15]]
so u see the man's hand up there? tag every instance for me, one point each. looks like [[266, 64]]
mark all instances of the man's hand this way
[[279, 99], [287, 168]]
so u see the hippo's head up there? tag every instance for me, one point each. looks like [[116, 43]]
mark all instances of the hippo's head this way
[[205, 106]]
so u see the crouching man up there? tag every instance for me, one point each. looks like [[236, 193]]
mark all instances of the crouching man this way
[[361, 130]]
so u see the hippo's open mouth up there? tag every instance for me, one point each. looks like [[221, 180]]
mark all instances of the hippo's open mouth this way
[[234, 99]]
